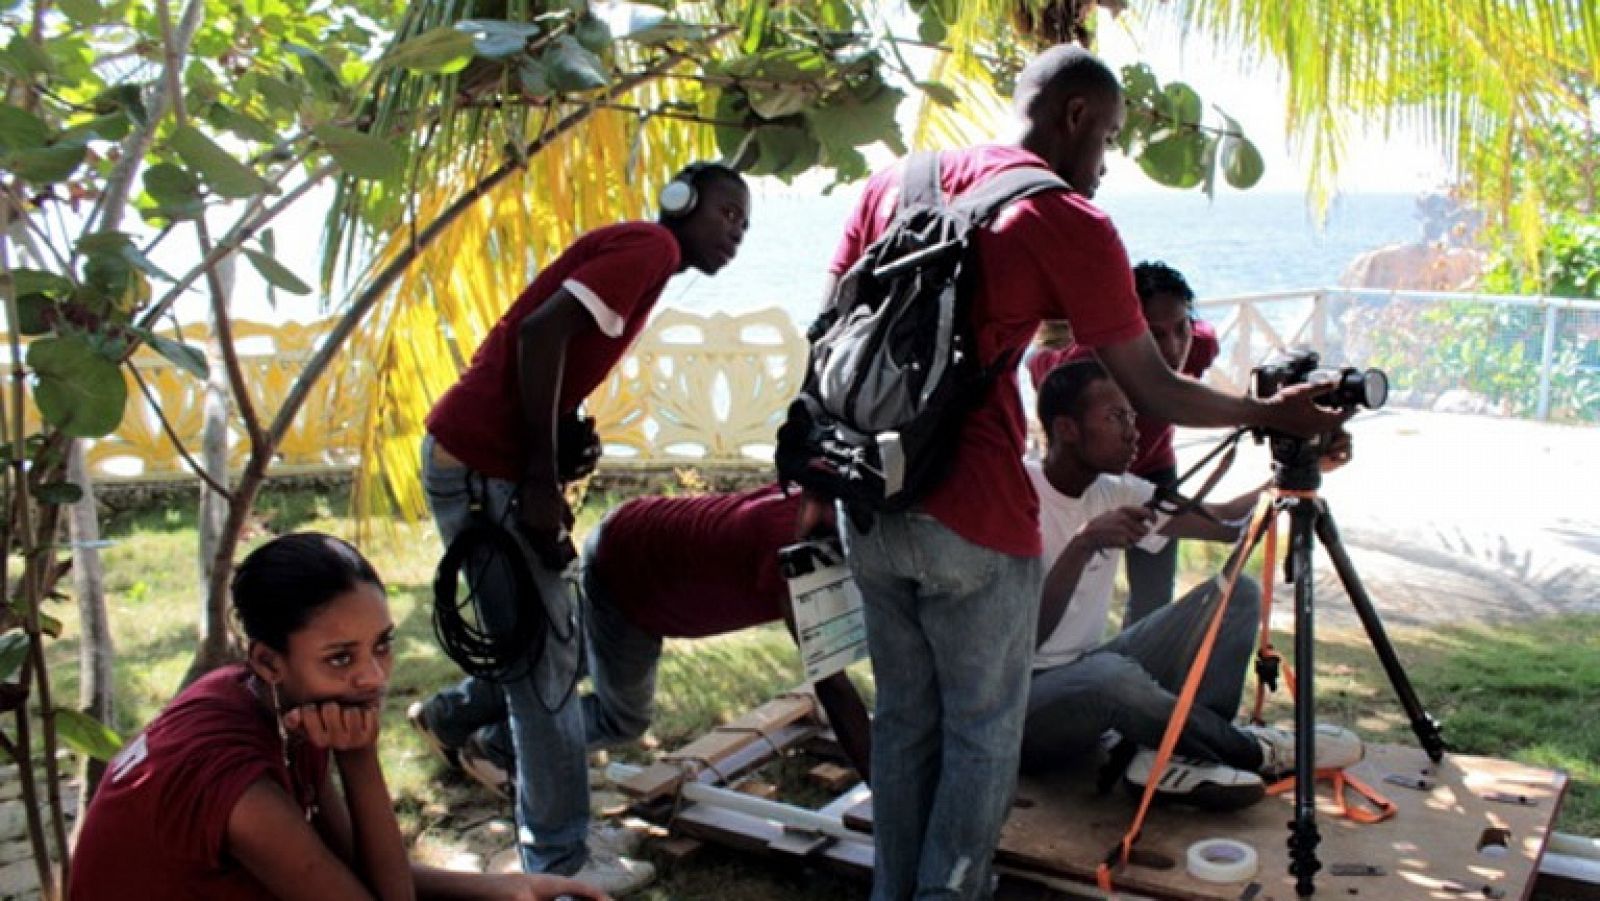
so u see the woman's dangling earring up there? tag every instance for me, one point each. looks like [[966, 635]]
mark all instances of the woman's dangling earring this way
[[277, 717]]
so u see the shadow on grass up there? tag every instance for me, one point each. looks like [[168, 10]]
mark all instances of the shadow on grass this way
[[1514, 691]]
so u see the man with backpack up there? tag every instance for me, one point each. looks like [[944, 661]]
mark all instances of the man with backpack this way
[[490, 467], [951, 580]]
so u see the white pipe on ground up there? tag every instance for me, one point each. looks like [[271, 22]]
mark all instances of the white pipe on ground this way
[[784, 814]]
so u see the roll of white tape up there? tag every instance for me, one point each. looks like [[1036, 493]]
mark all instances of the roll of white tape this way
[[1221, 860]]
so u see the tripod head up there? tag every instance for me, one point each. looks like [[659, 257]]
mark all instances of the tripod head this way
[[1295, 464]]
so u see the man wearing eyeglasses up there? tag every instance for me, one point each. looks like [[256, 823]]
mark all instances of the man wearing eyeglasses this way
[[1091, 510]]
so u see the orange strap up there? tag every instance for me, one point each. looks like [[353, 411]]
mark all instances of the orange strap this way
[[1119, 854], [1377, 809]]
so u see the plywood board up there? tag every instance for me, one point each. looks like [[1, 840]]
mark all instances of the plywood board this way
[[712, 750], [1061, 827]]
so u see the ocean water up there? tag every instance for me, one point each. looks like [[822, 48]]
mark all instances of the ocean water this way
[[1241, 243]]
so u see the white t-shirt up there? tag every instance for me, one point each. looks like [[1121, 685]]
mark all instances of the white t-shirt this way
[[1083, 625]]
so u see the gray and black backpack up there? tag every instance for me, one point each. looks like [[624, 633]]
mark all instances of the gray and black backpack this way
[[894, 364]]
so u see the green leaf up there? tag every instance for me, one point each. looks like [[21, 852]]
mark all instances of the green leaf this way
[[860, 117], [86, 735], [571, 68], [775, 103], [175, 190], [753, 26], [36, 281], [1242, 165], [360, 154], [77, 389], [59, 493], [187, 357], [593, 33], [34, 314], [49, 625], [320, 74], [494, 39], [26, 59], [276, 274], [1175, 160], [1139, 84], [785, 151], [84, 12], [1182, 104], [115, 243], [45, 165], [939, 93], [439, 51], [13, 649], [112, 126], [125, 98], [21, 130], [279, 94], [224, 174], [532, 79], [226, 118]]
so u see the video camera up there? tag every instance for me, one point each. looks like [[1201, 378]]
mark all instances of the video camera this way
[[1297, 366]]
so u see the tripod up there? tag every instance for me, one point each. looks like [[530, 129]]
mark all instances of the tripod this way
[[1296, 478]]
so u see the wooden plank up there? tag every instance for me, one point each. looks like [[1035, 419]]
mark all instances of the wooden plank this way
[[1062, 827], [759, 726], [831, 777]]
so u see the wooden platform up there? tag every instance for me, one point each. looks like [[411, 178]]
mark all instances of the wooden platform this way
[[1443, 842]]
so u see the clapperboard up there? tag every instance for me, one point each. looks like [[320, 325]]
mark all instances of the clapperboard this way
[[827, 608]]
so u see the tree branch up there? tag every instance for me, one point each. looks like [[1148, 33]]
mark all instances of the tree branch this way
[[230, 242], [172, 435]]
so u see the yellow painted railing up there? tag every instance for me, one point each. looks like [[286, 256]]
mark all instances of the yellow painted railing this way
[[706, 391]]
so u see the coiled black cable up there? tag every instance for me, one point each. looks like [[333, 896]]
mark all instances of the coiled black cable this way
[[507, 644]]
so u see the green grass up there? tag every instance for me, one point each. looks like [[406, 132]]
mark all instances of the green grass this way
[[1515, 691]]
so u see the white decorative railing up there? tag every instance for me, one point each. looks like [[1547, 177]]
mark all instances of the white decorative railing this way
[[1482, 353], [710, 391]]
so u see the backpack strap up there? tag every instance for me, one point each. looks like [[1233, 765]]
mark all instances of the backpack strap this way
[[995, 193], [919, 181]]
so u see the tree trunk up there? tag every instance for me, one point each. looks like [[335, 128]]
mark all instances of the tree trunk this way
[[215, 648], [95, 654]]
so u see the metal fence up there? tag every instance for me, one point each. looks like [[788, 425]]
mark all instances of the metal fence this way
[[1492, 355]]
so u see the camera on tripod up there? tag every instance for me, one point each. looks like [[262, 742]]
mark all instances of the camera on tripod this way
[[1353, 387]]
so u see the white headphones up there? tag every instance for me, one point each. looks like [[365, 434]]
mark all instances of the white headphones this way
[[679, 197]]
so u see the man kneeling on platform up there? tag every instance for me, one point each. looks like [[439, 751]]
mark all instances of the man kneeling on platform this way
[[1090, 510]]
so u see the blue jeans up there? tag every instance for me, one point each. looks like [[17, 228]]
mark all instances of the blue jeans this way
[[546, 729], [1151, 574], [950, 626], [1131, 684], [622, 660]]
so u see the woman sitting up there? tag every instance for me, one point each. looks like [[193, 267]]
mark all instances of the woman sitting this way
[[229, 792]]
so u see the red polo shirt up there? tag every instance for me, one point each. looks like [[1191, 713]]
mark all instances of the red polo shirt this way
[[158, 826], [1051, 256], [687, 567], [617, 273]]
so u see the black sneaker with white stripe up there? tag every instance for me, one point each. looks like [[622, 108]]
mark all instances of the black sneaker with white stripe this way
[[1200, 783]]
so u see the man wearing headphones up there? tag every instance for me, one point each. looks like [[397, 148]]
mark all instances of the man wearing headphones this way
[[492, 444]]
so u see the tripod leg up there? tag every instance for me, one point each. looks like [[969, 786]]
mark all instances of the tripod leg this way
[[1303, 836], [1422, 722]]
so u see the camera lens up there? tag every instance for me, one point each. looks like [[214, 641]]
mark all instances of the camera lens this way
[[1375, 389]]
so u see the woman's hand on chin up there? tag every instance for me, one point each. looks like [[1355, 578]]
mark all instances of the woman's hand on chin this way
[[335, 726]]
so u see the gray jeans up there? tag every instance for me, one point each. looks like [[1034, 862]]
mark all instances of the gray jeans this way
[[1131, 684]]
